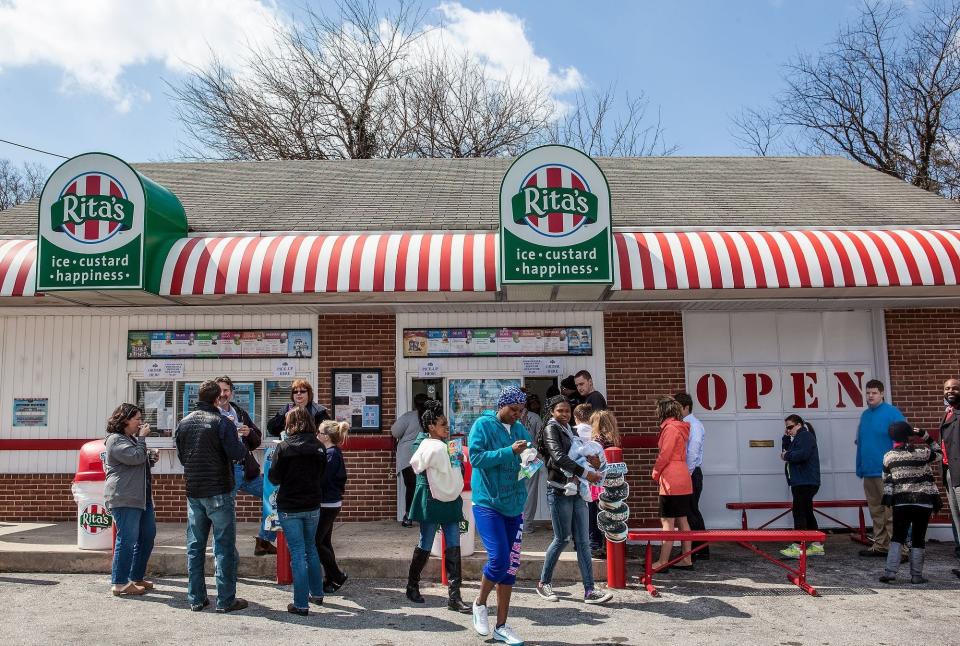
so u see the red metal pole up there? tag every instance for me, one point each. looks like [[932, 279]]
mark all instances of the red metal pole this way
[[616, 552], [443, 561], [284, 571]]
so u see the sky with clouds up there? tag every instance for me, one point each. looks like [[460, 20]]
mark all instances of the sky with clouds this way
[[93, 75]]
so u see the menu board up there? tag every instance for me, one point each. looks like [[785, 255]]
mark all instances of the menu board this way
[[470, 397], [357, 398], [498, 342], [222, 344]]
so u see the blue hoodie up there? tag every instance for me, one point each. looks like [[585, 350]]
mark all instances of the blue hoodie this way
[[495, 465], [873, 440]]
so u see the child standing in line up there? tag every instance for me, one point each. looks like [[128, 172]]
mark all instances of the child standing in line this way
[[331, 435], [581, 416], [909, 488]]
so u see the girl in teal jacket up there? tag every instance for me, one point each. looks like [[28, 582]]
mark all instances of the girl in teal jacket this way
[[496, 441]]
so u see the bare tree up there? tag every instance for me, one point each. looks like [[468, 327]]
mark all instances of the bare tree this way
[[327, 89], [600, 126], [455, 108], [757, 131], [884, 94], [20, 184]]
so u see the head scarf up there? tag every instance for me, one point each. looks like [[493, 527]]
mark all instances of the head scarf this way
[[511, 395]]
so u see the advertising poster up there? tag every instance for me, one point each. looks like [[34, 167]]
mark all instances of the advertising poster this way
[[30, 411], [414, 343], [531, 341], [298, 344], [508, 341], [484, 342], [271, 521], [191, 395], [356, 398], [458, 343], [138, 345], [555, 341], [579, 340], [438, 343], [470, 397]]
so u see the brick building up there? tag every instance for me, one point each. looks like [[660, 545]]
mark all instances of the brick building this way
[[762, 286]]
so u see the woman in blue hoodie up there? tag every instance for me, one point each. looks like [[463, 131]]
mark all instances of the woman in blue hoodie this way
[[799, 451], [496, 441]]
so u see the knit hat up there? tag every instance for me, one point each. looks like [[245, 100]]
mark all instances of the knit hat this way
[[511, 395], [900, 431]]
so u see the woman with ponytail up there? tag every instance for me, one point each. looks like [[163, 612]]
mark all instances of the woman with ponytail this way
[[799, 452], [436, 502], [331, 435]]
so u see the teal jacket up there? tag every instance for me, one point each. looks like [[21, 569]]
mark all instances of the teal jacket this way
[[495, 465]]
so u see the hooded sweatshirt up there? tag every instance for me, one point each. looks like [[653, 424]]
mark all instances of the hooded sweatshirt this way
[[495, 465], [297, 468]]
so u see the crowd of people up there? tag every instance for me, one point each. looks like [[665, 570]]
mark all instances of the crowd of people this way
[[568, 433]]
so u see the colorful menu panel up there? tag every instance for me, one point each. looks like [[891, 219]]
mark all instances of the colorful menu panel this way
[[502, 342], [222, 344]]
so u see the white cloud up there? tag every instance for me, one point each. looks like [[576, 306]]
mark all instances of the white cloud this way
[[499, 40], [95, 41]]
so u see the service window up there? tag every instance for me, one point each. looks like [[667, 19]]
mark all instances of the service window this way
[[155, 399], [246, 394]]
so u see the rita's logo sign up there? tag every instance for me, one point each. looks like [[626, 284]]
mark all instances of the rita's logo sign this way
[[555, 222], [95, 518], [555, 201], [92, 208]]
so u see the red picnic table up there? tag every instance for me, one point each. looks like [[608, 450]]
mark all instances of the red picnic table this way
[[745, 538], [859, 533]]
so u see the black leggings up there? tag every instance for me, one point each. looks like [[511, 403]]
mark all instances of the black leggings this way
[[331, 571], [906, 517], [803, 516], [409, 484]]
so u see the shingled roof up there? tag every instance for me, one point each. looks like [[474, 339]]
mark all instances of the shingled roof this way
[[462, 194]]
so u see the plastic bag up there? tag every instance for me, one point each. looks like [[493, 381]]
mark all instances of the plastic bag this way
[[530, 463]]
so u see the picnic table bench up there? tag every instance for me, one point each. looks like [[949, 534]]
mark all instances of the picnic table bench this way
[[745, 538], [859, 534]]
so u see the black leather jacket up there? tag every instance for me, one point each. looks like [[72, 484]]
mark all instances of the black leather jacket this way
[[555, 447], [208, 445]]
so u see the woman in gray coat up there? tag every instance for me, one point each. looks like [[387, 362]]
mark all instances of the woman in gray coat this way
[[130, 499]]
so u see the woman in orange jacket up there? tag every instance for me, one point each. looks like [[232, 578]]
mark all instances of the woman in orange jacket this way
[[670, 471]]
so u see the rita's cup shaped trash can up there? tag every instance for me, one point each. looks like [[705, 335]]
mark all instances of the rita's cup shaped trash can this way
[[94, 522]]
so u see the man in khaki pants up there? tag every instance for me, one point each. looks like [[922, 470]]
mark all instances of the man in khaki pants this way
[[873, 441]]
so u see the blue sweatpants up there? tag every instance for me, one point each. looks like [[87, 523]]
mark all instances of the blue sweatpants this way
[[501, 536]]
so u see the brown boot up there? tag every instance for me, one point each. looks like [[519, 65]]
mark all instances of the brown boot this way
[[263, 547]]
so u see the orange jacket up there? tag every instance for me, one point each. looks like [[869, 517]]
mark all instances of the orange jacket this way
[[671, 466]]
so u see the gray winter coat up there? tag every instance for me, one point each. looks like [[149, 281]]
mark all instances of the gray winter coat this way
[[128, 471]]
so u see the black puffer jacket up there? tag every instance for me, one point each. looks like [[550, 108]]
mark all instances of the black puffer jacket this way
[[208, 445], [554, 449], [297, 468]]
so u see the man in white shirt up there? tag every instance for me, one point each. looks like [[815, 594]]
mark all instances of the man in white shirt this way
[[694, 462]]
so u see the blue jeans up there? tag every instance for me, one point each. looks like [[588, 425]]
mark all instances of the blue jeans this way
[[254, 488], [502, 537], [570, 519], [220, 512], [136, 531], [300, 530], [451, 534]]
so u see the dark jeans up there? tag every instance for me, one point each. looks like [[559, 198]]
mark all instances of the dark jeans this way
[[324, 540], [136, 531], [219, 513], [913, 519], [695, 518], [409, 484], [803, 516]]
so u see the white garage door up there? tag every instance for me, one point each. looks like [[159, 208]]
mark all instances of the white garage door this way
[[746, 371]]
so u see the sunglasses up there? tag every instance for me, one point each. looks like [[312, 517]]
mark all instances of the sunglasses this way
[[301, 392], [792, 426]]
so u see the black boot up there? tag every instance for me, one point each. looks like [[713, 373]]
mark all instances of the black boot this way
[[451, 559], [420, 558]]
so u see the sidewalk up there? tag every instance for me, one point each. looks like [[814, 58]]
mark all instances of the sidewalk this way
[[368, 550]]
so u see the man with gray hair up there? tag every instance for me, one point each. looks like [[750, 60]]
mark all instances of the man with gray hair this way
[[208, 445]]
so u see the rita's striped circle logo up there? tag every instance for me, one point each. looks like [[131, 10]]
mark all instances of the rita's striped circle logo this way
[[555, 224], [95, 519], [92, 230]]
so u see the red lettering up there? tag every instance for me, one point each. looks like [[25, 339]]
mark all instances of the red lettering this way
[[802, 391], [757, 385], [854, 390], [719, 392]]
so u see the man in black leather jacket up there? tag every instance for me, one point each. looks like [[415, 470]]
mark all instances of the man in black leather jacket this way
[[208, 445]]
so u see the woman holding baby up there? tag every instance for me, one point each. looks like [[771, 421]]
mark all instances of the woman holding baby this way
[[561, 449]]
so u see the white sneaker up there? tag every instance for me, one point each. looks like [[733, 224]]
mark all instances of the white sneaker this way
[[506, 635], [595, 597], [481, 620], [545, 590]]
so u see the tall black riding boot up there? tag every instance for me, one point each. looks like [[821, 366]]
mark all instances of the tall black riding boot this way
[[451, 559], [420, 558]]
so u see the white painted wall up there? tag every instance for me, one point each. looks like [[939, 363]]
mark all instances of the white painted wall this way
[[79, 362], [732, 344]]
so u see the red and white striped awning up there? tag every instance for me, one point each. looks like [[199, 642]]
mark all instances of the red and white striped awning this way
[[293, 264], [783, 259], [18, 261]]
